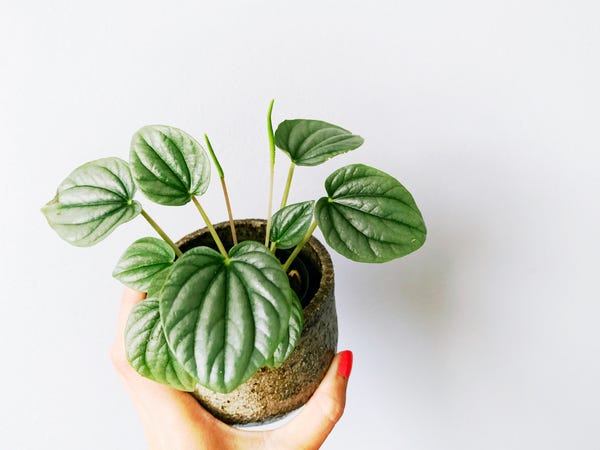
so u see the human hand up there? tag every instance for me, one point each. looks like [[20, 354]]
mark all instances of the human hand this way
[[174, 420]]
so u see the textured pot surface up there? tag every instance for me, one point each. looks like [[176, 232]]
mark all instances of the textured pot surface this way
[[272, 393]]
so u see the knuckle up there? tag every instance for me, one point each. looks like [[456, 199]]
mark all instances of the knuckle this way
[[119, 360], [332, 407]]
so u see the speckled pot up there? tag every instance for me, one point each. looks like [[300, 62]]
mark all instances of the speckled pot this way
[[272, 393]]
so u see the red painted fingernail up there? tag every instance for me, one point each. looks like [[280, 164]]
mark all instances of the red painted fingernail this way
[[345, 364]]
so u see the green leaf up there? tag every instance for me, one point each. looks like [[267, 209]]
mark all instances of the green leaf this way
[[147, 349], [92, 201], [158, 282], [224, 317], [143, 260], [290, 224], [369, 216], [168, 165], [291, 338], [312, 142]]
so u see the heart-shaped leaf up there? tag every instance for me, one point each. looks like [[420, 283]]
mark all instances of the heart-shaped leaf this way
[[92, 201], [143, 260], [290, 224], [369, 216], [224, 317], [291, 338], [147, 350], [312, 142], [168, 165]]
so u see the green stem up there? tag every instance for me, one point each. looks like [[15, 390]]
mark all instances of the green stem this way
[[272, 171], [224, 186], [299, 247], [229, 213], [210, 227], [288, 183], [161, 233]]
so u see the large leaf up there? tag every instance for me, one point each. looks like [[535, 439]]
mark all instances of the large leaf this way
[[168, 165], [225, 317], [143, 260], [147, 349], [312, 142], [369, 216], [291, 223], [92, 201], [291, 338]]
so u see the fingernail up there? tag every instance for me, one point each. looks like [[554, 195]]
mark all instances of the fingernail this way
[[345, 364]]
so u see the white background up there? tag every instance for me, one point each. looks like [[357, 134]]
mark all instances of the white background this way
[[486, 338]]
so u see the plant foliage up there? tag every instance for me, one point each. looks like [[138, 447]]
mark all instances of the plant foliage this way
[[215, 317]]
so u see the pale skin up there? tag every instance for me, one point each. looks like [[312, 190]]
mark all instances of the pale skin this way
[[173, 420]]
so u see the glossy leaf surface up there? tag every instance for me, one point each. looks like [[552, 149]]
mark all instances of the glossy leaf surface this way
[[312, 142], [143, 260], [147, 350], [291, 223], [369, 216], [224, 318], [292, 336], [92, 201], [158, 282], [168, 165]]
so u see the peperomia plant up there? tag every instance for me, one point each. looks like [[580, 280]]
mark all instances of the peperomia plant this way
[[214, 317]]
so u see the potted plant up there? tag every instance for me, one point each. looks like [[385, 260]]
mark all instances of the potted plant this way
[[240, 313]]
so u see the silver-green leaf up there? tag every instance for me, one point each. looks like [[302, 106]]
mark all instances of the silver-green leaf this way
[[291, 338], [147, 350], [312, 142], [225, 317], [143, 260], [168, 165], [369, 216], [92, 201], [291, 223], [158, 282]]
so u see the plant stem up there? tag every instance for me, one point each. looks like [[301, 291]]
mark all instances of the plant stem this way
[[224, 186], [284, 199], [229, 213], [304, 240], [288, 183], [272, 171], [210, 227], [161, 233]]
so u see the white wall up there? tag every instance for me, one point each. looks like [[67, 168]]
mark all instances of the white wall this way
[[487, 338]]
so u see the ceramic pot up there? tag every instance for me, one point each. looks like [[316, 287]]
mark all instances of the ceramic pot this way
[[273, 393]]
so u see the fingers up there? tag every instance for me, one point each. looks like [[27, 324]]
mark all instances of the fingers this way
[[313, 424], [129, 299], [170, 418]]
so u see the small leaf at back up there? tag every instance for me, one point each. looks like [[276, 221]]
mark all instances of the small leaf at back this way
[[291, 223], [312, 142]]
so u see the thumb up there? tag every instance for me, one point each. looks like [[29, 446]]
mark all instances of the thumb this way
[[310, 428]]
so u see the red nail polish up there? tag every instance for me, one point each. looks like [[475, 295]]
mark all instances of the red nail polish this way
[[345, 364]]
